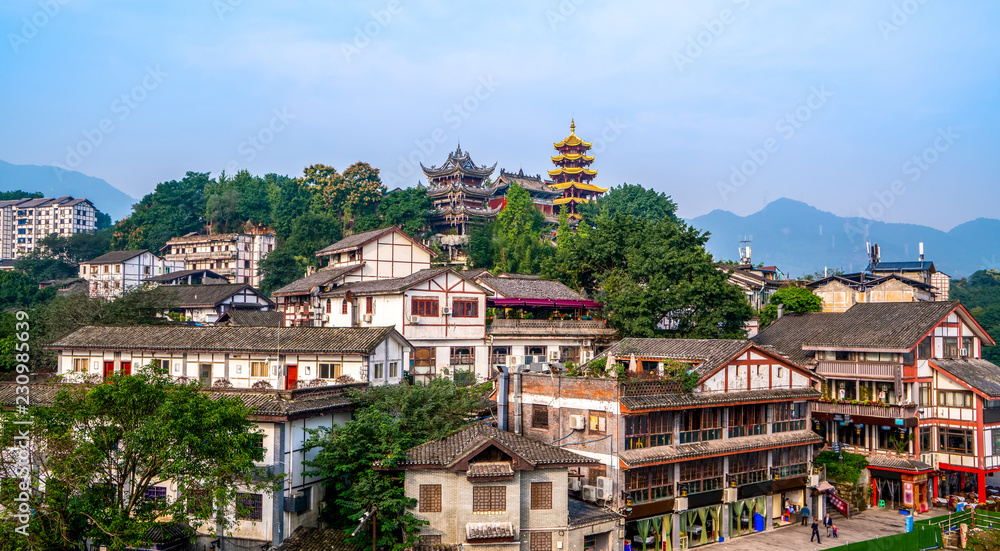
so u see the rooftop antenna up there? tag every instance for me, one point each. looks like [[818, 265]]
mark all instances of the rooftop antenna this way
[[921, 251], [745, 250], [874, 255]]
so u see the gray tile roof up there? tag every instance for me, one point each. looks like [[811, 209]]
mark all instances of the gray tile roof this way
[[666, 454], [333, 340], [529, 288], [305, 538], [980, 374], [698, 399], [115, 257], [205, 295], [898, 464], [488, 530], [490, 469], [582, 513], [788, 333], [352, 242], [707, 353], [443, 452], [387, 286], [320, 278], [253, 318], [184, 274], [880, 325]]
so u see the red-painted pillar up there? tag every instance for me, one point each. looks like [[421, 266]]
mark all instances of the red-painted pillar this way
[[874, 493], [981, 478], [934, 485]]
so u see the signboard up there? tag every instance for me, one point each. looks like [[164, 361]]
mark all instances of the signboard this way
[[908, 494], [838, 503], [899, 422]]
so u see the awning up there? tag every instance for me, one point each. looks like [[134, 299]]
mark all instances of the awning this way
[[545, 303], [824, 487]]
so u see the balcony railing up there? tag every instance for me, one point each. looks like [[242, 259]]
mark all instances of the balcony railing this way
[[559, 327], [786, 471], [865, 410], [864, 370], [750, 477]]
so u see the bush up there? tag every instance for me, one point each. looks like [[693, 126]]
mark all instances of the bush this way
[[847, 472]]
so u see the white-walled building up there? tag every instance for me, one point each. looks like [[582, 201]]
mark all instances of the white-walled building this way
[[23, 222], [268, 357], [111, 274], [206, 303], [233, 255]]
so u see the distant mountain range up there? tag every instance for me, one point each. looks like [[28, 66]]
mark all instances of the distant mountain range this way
[[55, 182], [800, 239]]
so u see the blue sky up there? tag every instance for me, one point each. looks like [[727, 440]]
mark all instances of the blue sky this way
[[689, 98]]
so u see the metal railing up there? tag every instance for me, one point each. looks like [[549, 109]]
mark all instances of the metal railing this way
[[869, 410], [868, 370]]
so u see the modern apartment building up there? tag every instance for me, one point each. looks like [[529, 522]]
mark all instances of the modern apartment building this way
[[232, 255], [23, 222]]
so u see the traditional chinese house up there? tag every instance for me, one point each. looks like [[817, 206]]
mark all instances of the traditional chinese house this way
[[459, 191]]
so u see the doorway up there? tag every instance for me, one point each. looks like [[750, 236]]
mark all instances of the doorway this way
[[205, 374], [291, 377], [126, 368], [109, 368]]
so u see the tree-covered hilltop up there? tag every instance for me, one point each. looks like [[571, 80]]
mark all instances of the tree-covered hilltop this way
[[980, 293]]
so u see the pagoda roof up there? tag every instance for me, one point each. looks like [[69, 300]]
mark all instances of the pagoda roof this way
[[572, 139], [575, 170], [459, 161], [534, 184], [564, 200], [579, 185], [572, 157], [437, 191]]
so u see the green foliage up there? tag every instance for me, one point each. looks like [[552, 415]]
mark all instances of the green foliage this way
[[847, 472], [480, 248], [794, 299], [984, 540], [980, 293], [631, 200], [174, 208], [19, 290], [406, 208], [19, 194], [56, 256], [389, 420], [100, 448], [279, 268]]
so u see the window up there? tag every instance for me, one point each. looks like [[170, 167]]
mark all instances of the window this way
[[430, 498], [996, 442], [199, 501], [541, 495], [788, 417], [925, 394], [968, 346], [748, 420], [539, 416], [118, 268], [258, 369], [489, 499], [329, 306], [379, 370], [655, 429], [434, 539], [249, 506], [540, 541], [843, 356], [925, 439], [954, 399], [107, 269], [427, 307], [465, 308], [703, 475], [650, 483], [369, 305], [463, 355], [700, 425], [343, 307], [329, 371], [748, 468], [789, 461], [145, 270], [393, 370], [597, 422], [79, 365], [952, 440], [950, 347], [156, 493]]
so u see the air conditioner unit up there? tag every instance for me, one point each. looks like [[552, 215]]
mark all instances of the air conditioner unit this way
[[413, 319], [586, 356], [813, 480], [554, 356], [729, 495], [603, 495], [445, 311], [577, 422], [575, 484], [965, 352], [512, 360], [590, 493], [606, 485], [367, 318]]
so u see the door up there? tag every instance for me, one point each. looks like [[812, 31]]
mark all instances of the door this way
[[291, 377], [205, 374], [126, 368], [109, 368]]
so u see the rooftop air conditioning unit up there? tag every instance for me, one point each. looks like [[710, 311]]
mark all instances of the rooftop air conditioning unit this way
[[445, 311], [605, 484], [575, 484], [965, 352], [554, 356], [512, 360], [367, 318], [576, 422], [586, 356], [729, 495], [590, 493], [413, 319]]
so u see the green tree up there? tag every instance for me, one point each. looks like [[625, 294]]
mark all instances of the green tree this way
[[20, 194], [222, 210], [793, 299], [174, 208], [279, 268], [520, 216], [406, 208], [99, 449], [980, 293], [390, 420], [19, 290], [633, 200], [481, 246]]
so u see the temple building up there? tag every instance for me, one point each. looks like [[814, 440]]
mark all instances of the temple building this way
[[572, 176], [541, 194], [459, 190]]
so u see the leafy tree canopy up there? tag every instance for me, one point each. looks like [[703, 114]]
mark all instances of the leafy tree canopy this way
[[793, 299], [980, 293], [633, 200]]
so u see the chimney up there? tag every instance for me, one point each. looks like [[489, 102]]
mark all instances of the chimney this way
[[310, 270], [502, 398], [781, 311]]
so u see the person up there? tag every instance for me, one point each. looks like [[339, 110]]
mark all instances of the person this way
[[833, 530], [805, 515], [828, 522], [815, 532]]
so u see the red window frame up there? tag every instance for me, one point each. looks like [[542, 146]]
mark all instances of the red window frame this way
[[343, 307], [465, 308], [427, 307], [369, 305]]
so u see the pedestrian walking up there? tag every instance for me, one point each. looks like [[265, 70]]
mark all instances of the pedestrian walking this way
[[805, 515], [833, 530], [828, 522], [815, 532]]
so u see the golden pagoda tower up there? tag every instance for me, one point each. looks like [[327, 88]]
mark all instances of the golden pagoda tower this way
[[572, 176]]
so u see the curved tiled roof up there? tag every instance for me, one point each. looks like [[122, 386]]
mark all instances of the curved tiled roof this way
[[898, 464], [306, 538], [529, 288], [680, 400], [789, 332], [205, 295], [880, 325], [444, 452], [709, 354], [322, 277], [980, 374], [115, 257], [352, 242], [667, 454]]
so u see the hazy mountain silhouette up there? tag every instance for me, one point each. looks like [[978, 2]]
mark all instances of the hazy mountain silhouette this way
[[55, 182]]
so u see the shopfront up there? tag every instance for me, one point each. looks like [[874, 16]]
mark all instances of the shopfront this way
[[747, 516], [789, 496], [901, 489], [701, 526]]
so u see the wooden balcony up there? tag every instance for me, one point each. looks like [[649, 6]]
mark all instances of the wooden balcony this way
[[858, 370], [570, 328], [862, 410]]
